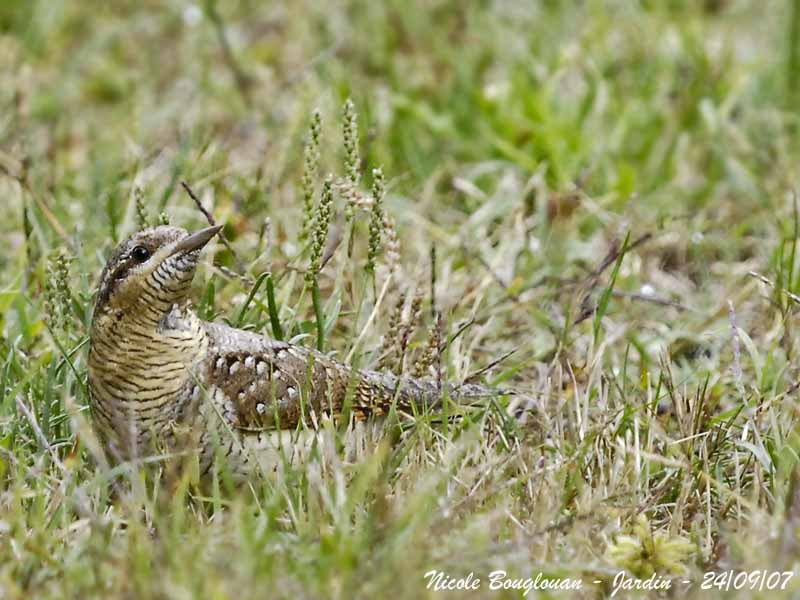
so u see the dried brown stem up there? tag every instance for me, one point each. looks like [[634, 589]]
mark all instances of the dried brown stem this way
[[591, 281], [211, 221]]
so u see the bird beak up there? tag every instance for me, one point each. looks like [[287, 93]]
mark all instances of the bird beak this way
[[196, 240]]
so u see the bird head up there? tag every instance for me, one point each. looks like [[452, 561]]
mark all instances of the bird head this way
[[154, 266]]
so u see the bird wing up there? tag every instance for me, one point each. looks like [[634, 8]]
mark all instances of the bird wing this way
[[267, 384]]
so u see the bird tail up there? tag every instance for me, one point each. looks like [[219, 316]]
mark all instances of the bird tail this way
[[377, 392]]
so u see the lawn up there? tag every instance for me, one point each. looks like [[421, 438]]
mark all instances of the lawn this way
[[592, 203]]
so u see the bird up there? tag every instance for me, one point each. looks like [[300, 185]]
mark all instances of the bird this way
[[164, 382]]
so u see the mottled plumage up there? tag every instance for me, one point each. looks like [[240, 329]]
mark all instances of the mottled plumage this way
[[163, 380]]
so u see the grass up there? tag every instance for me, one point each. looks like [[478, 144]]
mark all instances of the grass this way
[[531, 146]]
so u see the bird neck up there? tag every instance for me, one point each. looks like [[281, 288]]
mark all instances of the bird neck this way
[[140, 368], [176, 336]]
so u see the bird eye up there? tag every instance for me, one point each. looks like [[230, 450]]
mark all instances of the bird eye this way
[[140, 254]]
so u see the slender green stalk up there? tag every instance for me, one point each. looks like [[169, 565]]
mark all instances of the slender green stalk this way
[[319, 314], [277, 330], [602, 305], [261, 278]]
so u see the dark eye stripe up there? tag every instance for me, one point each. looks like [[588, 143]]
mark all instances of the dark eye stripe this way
[[122, 270]]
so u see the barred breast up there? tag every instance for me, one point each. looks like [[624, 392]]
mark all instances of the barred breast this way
[[141, 378]]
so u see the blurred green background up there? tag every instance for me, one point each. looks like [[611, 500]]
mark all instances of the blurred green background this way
[[522, 140]]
